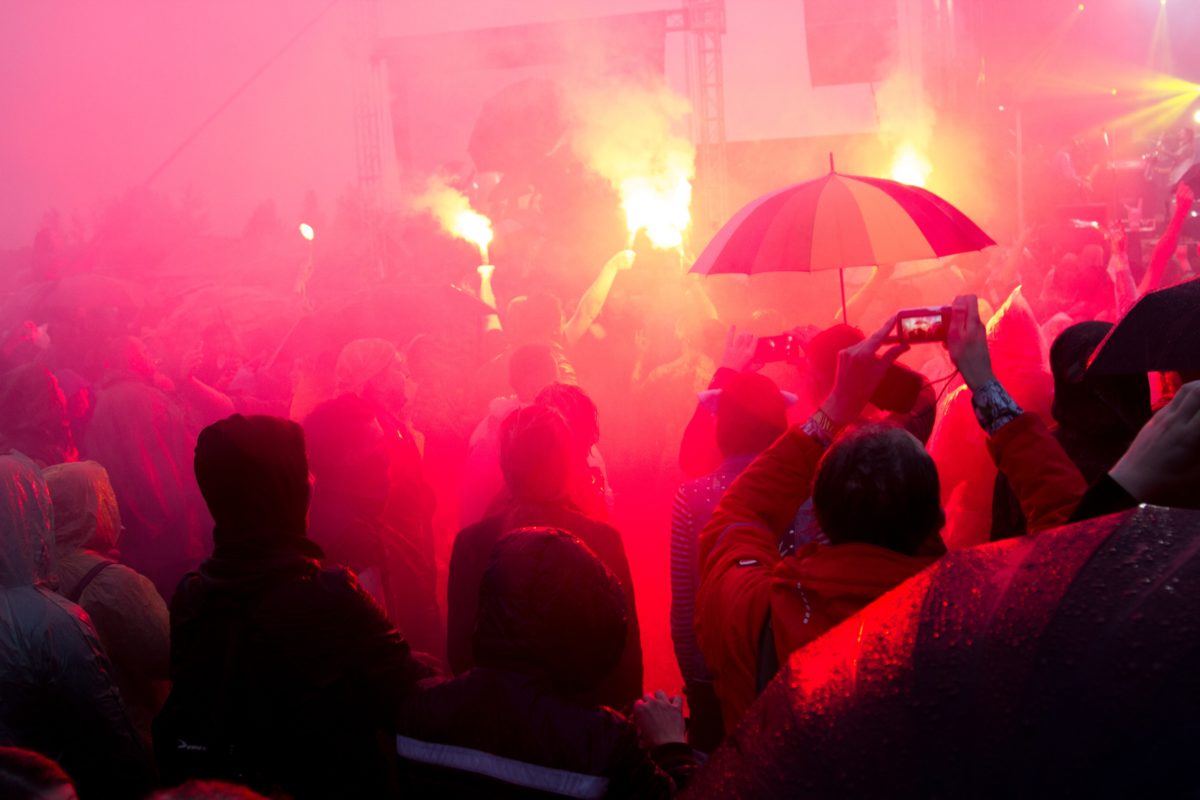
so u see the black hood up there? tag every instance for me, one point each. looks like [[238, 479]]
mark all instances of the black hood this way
[[253, 474]]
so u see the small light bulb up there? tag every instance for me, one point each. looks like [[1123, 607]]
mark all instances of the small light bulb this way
[[306, 231]]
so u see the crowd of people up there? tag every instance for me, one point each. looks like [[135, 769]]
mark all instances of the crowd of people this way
[[468, 561]]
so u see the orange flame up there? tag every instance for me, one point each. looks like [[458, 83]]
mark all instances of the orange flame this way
[[475, 228], [452, 209], [659, 205], [910, 166]]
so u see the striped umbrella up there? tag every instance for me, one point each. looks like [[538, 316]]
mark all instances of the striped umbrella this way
[[839, 221]]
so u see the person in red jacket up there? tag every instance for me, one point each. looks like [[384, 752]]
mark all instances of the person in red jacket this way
[[875, 492]]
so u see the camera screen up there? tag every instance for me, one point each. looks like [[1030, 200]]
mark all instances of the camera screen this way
[[928, 328]]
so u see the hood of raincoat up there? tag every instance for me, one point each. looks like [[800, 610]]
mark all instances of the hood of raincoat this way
[[253, 473], [549, 607], [1018, 352], [85, 508], [26, 524]]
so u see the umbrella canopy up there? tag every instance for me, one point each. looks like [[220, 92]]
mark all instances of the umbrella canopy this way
[[1056, 664], [839, 221], [1161, 333]]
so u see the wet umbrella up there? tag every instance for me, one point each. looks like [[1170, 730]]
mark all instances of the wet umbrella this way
[[1161, 333], [839, 221], [518, 126], [1057, 664]]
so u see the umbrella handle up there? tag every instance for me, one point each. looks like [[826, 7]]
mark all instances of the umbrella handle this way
[[842, 281]]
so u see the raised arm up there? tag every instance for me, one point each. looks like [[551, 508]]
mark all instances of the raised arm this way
[[1046, 482], [1184, 198], [592, 302]]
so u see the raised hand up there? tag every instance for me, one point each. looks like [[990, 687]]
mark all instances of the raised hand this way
[[859, 370]]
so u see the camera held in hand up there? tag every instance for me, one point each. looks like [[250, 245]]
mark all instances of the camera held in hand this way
[[921, 325]]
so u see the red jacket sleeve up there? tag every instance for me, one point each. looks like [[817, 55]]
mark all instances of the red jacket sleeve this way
[[1046, 482], [739, 547]]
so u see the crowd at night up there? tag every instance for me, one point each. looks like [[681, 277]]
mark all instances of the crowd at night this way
[[599, 427]]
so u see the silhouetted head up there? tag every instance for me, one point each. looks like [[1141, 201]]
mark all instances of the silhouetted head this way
[[549, 607], [85, 507], [374, 370], [823, 352], [580, 413], [531, 368], [535, 453], [26, 524], [347, 448], [33, 416], [253, 473], [26, 775], [1115, 406], [877, 485], [751, 414], [537, 317]]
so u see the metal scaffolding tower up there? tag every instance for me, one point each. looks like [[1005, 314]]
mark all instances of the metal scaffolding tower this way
[[704, 21], [368, 97]]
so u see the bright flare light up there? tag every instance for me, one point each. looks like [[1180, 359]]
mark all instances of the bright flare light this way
[[474, 227], [661, 206], [910, 166], [306, 231], [452, 209], [1196, 116]]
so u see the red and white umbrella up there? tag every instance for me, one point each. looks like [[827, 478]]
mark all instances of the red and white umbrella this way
[[839, 221]]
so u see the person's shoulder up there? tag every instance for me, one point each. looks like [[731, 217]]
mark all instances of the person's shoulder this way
[[338, 580], [480, 533], [120, 584], [53, 627]]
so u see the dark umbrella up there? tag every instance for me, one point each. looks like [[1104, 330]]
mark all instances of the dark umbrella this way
[[518, 126], [1057, 664], [1161, 333], [839, 221]]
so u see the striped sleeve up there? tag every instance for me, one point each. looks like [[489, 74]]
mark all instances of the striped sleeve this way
[[685, 580]]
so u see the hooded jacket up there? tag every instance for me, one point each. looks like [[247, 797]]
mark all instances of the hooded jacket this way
[[957, 445], [286, 673], [141, 437], [128, 612], [57, 695], [469, 560], [551, 625], [744, 581]]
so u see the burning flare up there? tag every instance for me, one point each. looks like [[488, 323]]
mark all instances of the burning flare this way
[[625, 134], [660, 205], [453, 211], [910, 166]]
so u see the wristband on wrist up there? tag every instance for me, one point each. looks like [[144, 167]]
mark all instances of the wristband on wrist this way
[[821, 427], [994, 407]]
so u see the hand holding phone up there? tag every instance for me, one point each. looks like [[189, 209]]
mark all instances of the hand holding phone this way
[[784, 347], [921, 325]]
